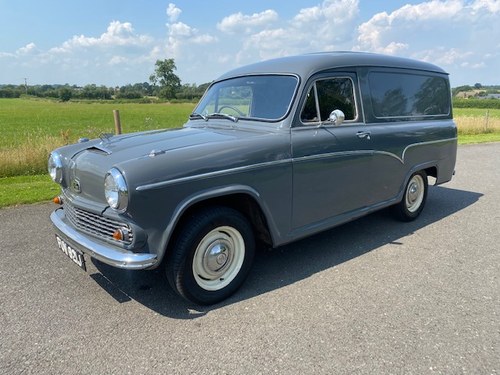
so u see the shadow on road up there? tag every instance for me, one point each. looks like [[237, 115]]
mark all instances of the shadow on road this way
[[288, 264]]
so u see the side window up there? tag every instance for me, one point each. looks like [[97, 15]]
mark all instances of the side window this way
[[326, 95], [408, 95]]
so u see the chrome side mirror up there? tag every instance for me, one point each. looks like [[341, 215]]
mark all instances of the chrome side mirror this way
[[337, 117]]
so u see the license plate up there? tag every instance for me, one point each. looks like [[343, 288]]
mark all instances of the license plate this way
[[75, 255]]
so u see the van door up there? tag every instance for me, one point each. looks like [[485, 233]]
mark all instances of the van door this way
[[331, 161]]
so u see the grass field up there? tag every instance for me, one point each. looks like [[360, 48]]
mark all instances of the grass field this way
[[31, 128], [21, 119]]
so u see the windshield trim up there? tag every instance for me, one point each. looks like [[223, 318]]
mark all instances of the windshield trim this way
[[251, 118]]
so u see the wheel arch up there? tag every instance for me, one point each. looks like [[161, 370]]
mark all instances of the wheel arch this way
[[240, 198]]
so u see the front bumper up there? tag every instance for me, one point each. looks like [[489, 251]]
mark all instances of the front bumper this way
[[108, 254]]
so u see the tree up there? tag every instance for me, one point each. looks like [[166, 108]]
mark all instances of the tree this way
[[164, 75], [65, 94]]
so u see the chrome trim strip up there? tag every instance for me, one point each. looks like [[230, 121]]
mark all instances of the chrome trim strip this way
[[333, 154], [427, 143], [112, 256], [223, 172], [391, 155]]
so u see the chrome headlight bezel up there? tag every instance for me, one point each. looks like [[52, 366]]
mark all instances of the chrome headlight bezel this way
[[116, 190], [55, 167]]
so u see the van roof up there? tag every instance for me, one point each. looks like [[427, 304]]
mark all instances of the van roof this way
[[305, 65]]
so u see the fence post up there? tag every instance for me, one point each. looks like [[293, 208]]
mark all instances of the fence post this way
[[118, 124], [486, 122]]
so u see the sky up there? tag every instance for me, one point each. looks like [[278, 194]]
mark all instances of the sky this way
[[116, 42]]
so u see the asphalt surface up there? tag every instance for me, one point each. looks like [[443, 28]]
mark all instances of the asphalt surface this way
[[372, 296]]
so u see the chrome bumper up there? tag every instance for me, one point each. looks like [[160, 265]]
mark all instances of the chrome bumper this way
[[108, 254]]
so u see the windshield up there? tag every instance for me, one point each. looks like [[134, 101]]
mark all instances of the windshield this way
[[265, 97]]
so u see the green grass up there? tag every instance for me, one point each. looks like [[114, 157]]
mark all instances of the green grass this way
[[464, 139], [31, 128], [26, 189], [476, 112], [22, 118]]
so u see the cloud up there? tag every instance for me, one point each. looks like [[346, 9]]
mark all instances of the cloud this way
[[117, 60], [28, 49], [117, 34], [451, 33], [173, 12], [431, 22], [180, 36], [327, 26], [491, 6], [239, 22], [381, 32]]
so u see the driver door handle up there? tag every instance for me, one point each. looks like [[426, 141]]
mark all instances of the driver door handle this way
[[364, 135]]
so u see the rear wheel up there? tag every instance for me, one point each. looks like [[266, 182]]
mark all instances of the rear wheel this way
[[414, 197], [212, 255]]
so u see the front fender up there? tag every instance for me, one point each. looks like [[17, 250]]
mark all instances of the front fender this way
[[208, 195]]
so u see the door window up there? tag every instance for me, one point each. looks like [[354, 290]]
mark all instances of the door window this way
[[325, 96]]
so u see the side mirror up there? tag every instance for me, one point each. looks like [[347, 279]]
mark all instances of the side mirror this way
[[337, 117]]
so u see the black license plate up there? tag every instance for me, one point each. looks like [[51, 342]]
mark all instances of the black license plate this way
[[75, 255]]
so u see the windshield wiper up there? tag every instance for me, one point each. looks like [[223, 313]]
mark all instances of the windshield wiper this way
[[224, 115], [194, 115]]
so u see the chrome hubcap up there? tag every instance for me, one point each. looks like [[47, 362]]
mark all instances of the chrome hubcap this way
[[218, 258], [415, 193]]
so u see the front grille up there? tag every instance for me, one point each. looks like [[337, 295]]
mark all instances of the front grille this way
[[96, 225]]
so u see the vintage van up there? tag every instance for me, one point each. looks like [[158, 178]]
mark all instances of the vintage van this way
[[274, 152]]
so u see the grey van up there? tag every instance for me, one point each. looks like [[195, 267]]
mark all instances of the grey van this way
[[274, 152]]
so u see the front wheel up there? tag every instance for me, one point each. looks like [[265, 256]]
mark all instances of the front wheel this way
[[414, 197], [211, 256]]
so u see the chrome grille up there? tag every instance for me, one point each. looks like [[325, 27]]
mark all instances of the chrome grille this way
[[96, 225]]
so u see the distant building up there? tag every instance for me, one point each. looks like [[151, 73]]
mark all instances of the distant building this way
[[492, 96]]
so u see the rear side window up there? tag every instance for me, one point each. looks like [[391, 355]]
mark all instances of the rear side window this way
[[396, 95], [326, 95]]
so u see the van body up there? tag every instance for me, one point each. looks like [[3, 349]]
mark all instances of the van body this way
[[273, 152]]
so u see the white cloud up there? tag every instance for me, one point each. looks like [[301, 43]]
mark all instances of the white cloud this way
[[30, 48], [492, 6], [117, 34], [382, 31], [239, 22], [181, 36], [117, 60], [443, 56], [173, 12], [431, 22], [453, 34], [180, 29], [26, 51], [327, 26], [329, 11]]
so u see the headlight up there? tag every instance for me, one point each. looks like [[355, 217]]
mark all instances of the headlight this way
[[55, 167], [116, 190]]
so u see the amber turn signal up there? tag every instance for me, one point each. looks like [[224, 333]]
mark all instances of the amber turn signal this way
[[118, 235], [57, 200]]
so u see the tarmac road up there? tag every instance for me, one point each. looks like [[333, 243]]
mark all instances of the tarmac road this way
[[373, 296]]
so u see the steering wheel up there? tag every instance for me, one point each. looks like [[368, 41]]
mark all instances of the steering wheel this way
[[233, 108]]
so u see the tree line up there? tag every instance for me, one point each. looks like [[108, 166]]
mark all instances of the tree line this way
[[67, 92], [163, 83], [478, 89]]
